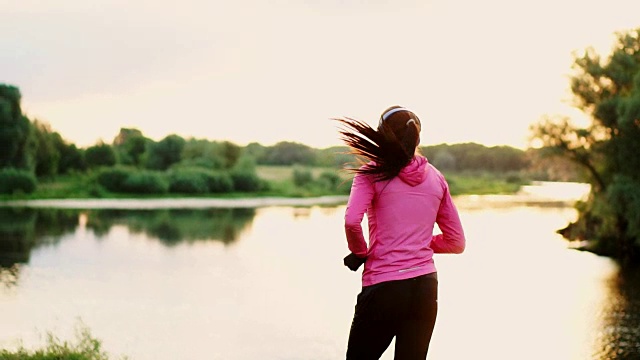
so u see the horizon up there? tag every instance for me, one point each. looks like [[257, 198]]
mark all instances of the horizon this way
[[266, 73]]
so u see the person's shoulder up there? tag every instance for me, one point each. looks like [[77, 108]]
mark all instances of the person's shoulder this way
[[366, 166], [361, 172]]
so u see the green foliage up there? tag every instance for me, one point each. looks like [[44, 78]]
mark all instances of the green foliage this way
[[211, 154], [255, 151], [130, 146], [444, 160], [301, 176], [85, 347], [113, 179], [16, 180], [166, 152], [133, 181], [219, 182], [475, 157], [145, 182], [188, 181], [335, 157], [16, 133], [71, 158], [479, 183], [47, 154], [624, 192], [288, 153], [609, 91], [246, 181], [100, 154], [244, 176], [230, 153], [329, 180], [202, 153]]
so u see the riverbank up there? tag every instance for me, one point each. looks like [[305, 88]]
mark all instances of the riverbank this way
[[175, 203], [535, 194], [278, 183]]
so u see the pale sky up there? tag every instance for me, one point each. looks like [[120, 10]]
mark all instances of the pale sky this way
[[269, 71]]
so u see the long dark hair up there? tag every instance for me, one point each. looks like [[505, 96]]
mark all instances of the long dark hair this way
[[390, 147]]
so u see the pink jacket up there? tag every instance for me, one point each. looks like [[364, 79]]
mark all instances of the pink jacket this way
[[401, 214]]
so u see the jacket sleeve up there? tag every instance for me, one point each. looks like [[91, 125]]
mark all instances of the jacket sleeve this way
[[452, 239], [360, 198]]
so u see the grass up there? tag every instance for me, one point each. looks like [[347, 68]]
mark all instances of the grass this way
[[280, 181], [85, 347], [483, 183], [282, 173]]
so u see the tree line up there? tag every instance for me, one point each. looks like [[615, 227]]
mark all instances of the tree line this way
[[134, 163]]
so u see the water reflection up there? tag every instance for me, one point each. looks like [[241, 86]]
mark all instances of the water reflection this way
[[619, 335], [22, 229], [281, 287], [173, 226]]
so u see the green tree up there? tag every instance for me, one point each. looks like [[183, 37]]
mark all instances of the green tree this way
[[202, 153], [255, 150], [231, 154], [444, 160], [130, 146], [335, 156], [476, 157], [47, 153], [288, 153], [166, 152], [17, 142], [71, 158], [100, 154], [608, 90]]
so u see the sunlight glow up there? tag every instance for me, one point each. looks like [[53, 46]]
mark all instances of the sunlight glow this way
[[271, 73]]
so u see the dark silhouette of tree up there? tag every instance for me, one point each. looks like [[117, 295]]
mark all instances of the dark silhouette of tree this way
[[17, 142], [608, 90]]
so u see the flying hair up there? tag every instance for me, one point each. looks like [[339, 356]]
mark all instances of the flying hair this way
[[384, 151]]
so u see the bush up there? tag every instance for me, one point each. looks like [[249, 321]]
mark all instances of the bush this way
[[302, 177], [244, 180], [219, 182], [146, 182], [113, 179], [189, 181], [329, 180], [14, 180]]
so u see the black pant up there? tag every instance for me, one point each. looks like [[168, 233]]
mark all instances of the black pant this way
[[405, 309]]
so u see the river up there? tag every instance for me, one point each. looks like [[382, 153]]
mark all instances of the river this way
[[264, 280]]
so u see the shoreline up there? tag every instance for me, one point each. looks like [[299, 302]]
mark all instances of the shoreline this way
[[175, 203], [538, 194]]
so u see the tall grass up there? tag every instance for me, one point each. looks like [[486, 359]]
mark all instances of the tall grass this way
[[85, 347]]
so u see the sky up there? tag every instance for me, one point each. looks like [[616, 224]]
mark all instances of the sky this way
[[269, 71]]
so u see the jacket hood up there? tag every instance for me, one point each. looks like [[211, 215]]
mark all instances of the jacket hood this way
[[415, 172]]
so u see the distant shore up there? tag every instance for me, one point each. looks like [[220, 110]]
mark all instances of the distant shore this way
[[538, 194], [175, 203]]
